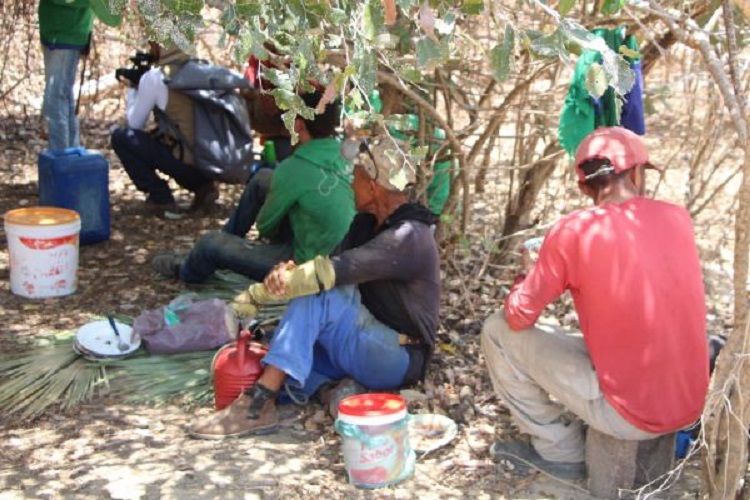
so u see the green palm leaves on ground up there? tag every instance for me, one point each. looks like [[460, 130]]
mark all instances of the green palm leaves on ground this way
[[54, 374], [48, 373], [45, 375]]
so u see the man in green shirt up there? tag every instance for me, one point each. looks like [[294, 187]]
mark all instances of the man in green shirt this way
[[64, 29], [310, 197]]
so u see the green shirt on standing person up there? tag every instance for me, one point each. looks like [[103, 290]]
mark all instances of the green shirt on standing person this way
[[65, 25]]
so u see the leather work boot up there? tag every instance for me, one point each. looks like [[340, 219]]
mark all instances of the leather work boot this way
[[332, 396], [233, 421], [524, 458], [167, 263]]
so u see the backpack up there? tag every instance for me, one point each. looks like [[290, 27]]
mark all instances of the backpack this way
[[219, 143]]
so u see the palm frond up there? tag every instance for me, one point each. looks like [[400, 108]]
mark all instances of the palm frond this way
[[47, 376], [160, 379], [222, 285], [44, 372]]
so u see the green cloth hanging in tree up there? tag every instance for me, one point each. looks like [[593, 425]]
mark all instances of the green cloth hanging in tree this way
[[579, 117]]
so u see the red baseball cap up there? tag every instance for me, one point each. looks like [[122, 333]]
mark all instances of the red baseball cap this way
[[624, 150]]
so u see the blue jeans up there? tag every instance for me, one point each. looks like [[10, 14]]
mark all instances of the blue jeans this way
[[59, 104], [142, 155], [219, 250], [332, 335]]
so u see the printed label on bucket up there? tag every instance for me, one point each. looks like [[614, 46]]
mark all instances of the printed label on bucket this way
[[46, 267], [376, 456], [46, 244], [372, 463]]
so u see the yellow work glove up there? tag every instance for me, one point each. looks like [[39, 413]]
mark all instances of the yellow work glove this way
[[244, 305], [312, 277]]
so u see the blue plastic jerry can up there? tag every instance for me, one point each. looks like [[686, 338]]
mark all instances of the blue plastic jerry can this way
[[78, 179]]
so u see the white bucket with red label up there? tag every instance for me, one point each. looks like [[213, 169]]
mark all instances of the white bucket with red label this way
[[375, 439], [43, 251]]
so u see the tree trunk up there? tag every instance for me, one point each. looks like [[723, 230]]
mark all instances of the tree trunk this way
[[727, 413], [529, 185]]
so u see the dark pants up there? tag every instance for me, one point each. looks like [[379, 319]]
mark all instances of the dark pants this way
[[142, 156], [244, 215], [228, 248], [219, 250]]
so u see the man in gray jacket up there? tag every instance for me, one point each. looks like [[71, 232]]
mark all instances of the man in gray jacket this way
[[367, 314]]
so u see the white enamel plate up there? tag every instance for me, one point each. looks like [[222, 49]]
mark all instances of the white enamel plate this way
[[99, 340], [430, 431]]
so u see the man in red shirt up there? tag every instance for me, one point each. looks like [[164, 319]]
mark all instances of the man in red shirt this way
[[640, 369]]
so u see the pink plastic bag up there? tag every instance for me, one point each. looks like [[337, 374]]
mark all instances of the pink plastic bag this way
[[192, 326]]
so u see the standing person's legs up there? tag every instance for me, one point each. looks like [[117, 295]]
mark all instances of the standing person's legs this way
[[142, 155], [253, 196], [58, 107], [528, 366]]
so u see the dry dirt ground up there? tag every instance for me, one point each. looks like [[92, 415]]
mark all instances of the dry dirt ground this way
[[121, 451], [109, 449]]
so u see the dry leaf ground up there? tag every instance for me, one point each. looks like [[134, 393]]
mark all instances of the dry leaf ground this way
[[113, 450]]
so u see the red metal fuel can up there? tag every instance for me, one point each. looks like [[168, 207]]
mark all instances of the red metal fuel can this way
[[235, 368]]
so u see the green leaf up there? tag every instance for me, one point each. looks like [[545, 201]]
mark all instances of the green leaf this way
[[596, 80], [292, 105], [360, 119], [579, 35], [250, 42], [334, 41], [337, 16], [501, 55], [619, 101], [340, 81], [184, 6], [372, 18], [616, 68], [446, 25], [418, 153], [286, 99], [548, 45], [280, 79], [399, 177], [611, 7], [407, 4], [288, 118], [628, 52], [472, 7], [304, 58], [364, 61], [411, 74], [349, 71], [564, 6], [248, 8], [398, 122], [428, 52]]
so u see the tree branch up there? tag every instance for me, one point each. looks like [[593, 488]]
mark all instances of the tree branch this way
[[458, 150], [699, 41]]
